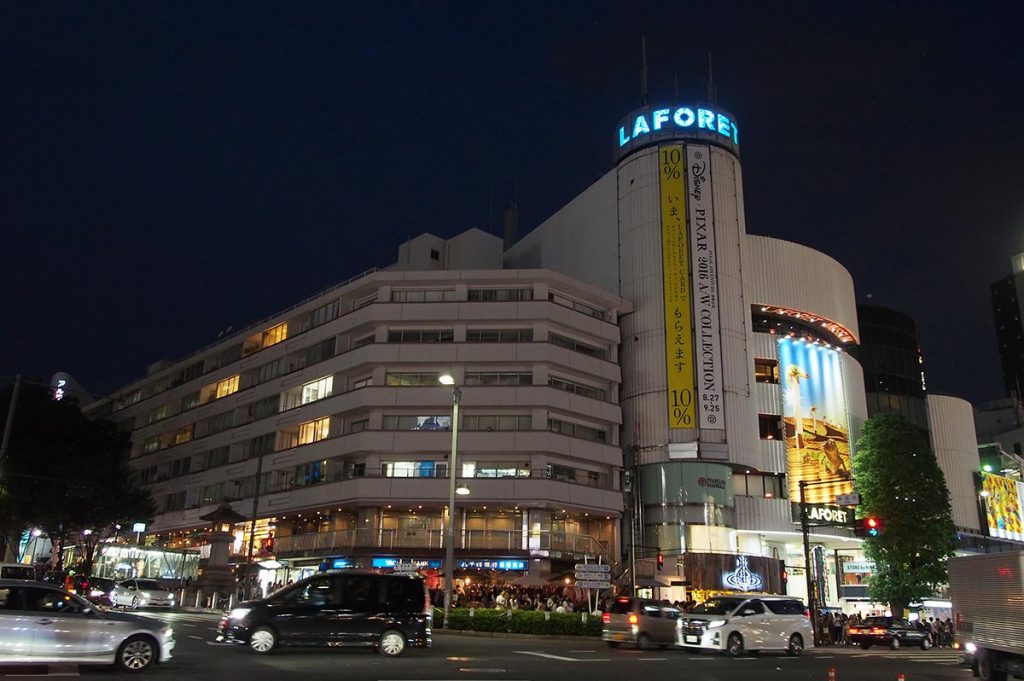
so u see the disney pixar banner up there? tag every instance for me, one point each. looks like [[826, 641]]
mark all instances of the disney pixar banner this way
[[817, 429]]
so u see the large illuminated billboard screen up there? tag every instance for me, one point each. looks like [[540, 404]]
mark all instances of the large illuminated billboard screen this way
[[817, 429], [1004, 499]]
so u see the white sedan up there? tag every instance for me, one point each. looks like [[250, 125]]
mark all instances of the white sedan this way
[[142, 593]]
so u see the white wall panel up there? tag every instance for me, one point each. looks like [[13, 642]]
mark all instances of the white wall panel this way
[[951, 421], [790, 275], [769, 515]]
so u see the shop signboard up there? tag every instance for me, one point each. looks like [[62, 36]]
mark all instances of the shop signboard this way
[[817, 430], [417, 563], [825, 514], [1003, 500], [859, 567], [501, 564]]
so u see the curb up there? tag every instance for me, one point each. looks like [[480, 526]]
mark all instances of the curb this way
[[507, 634]]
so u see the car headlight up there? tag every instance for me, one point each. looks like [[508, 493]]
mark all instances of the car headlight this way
[[167, 632], [713, 624], [970, 647], [239, 613]]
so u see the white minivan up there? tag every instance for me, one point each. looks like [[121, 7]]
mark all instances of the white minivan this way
[[735, 624]]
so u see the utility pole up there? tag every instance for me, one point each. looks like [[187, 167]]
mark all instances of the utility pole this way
[[250, 587], [812, 601], [9, 424]]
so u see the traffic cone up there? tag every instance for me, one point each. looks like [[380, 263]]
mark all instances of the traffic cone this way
[[831, 674]]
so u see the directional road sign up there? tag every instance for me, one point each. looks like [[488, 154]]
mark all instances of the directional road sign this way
[[593, 567], [592, 584]]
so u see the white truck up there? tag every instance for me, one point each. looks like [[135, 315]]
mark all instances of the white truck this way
[[987, 591]]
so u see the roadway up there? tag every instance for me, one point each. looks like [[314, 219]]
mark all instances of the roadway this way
[[456, 657]]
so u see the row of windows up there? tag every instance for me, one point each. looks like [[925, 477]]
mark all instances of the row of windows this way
[[326, 313], [326, 349], [333, 470]]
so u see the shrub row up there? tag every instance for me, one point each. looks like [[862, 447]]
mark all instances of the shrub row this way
[[521, 621]]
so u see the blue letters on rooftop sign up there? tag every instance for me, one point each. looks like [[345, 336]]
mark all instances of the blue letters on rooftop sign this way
[[682, 117]]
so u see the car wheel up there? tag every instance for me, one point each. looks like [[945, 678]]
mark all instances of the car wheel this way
[[263, 640], [986, 670], [392, 643], [895, 643], [644, 642], [136, 653], [135, 603], [865, 645], [926, 643], [734, 645], [796, 645], [613, 644]]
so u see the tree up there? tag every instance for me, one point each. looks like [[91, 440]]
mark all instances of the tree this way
[[899, 480], [67, 474]]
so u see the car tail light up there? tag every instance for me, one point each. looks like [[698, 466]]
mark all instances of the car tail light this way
[[633, 619], [877, 631], [807, 614], [606, 617], [854, 630]]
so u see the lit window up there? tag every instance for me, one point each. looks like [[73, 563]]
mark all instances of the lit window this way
[[226, 387], [314, 431], [317, 390], [184, 434], [274, 335], [766, 370]]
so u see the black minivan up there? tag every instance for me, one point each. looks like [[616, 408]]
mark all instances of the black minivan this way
[[339, 608]]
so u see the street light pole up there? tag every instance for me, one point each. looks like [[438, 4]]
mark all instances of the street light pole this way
[[449, 543]]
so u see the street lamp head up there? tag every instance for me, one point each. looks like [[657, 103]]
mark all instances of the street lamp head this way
[[446, 379], [462, 490]]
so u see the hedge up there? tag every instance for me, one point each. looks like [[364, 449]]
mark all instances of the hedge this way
[[520, 621]]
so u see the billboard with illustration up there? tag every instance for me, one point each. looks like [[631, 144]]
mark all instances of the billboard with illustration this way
[[817, 428], [1004, 499]]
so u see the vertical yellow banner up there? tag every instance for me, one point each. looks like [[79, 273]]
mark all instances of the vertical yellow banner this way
[[676, 267]]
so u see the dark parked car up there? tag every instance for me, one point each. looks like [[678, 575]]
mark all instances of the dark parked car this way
[[95, 589], [337, 609], [888, 631]]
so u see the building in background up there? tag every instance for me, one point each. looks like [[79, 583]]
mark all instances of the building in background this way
[[1007, 294]]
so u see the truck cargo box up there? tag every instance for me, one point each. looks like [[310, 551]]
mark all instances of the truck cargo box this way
[[987, 591]]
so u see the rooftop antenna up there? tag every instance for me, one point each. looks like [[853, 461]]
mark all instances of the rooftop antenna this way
[[510, 218], [711, 80], [643, 71]]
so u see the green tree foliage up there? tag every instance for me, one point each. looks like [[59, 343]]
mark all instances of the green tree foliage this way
[[899, 480], [66, 474]]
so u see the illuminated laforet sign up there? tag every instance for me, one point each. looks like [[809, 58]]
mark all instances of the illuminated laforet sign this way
[[653, 124]]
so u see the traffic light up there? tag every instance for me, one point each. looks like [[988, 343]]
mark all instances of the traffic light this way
[[661, 561], [872, 526]]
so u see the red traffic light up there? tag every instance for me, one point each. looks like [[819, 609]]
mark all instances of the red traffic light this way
[[871, 526], [661, 561]]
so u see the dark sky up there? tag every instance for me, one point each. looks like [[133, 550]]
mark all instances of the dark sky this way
[[170, 169]]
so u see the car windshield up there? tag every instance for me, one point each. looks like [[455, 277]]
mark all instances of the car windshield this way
[[877, 621], [149, 585], [717, 606]]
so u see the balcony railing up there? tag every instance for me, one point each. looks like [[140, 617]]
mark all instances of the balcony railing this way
[[347, 541]]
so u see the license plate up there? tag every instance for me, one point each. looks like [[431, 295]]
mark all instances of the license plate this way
[[690, 639]]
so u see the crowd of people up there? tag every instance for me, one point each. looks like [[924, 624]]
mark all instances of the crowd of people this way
[[834, 628], [513, 597]]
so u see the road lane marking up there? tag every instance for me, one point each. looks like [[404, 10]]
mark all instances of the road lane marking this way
[[582, 651], [561, 658], [651, 659], [483, 670]]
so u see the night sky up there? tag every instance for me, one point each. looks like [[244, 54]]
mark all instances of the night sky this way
[[172, 169]]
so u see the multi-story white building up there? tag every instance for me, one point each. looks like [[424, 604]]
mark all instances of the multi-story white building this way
[[334, 412]]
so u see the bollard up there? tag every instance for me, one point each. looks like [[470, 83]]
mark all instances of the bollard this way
[[547, 616], [231, 602], [199, 597], [213, 600], [472, 611], [831, 674]]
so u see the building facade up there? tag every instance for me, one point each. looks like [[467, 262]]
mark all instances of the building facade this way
[[328, 425]]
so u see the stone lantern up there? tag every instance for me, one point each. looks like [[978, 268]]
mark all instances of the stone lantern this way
[[215, 576]]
